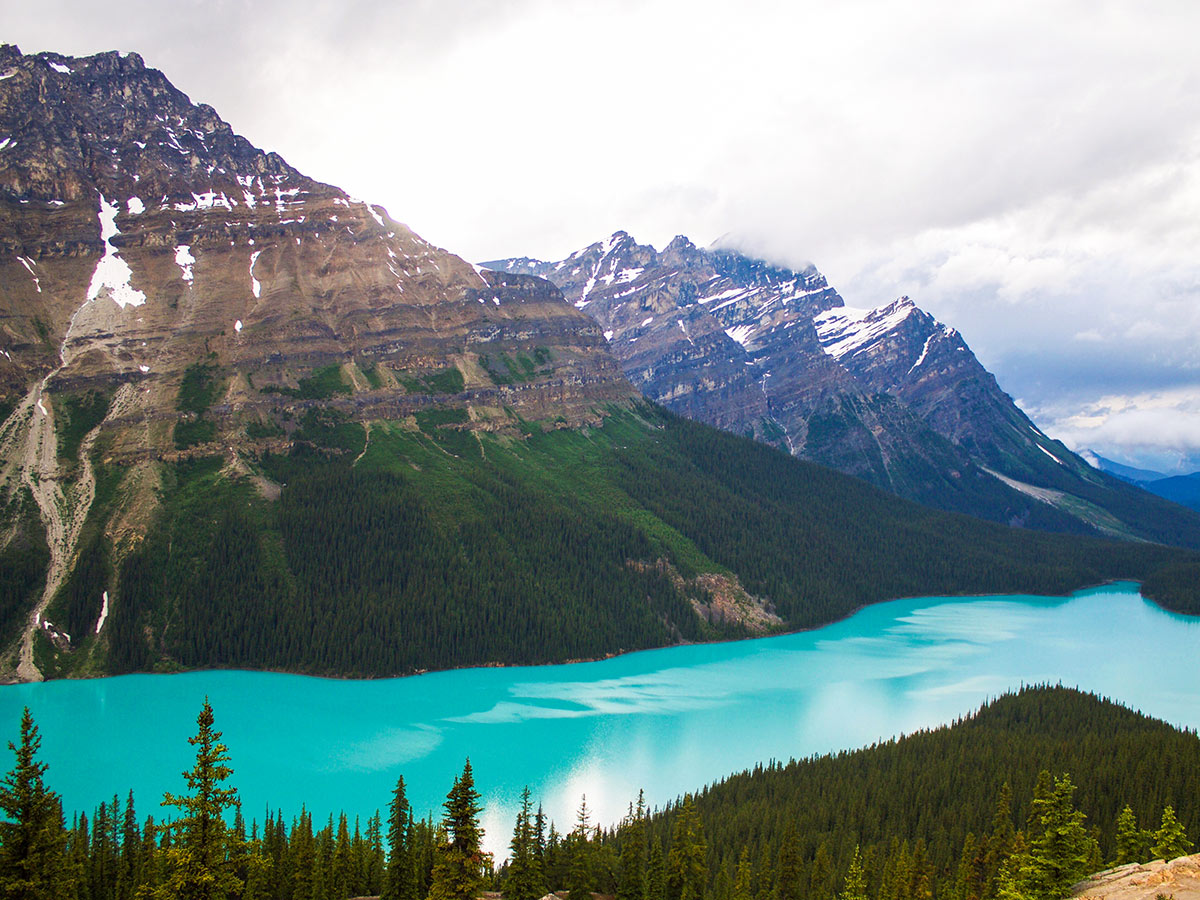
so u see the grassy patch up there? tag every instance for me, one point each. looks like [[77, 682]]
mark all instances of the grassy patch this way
[[258, 431], [198, 390], [77, 415], [449, 381], [373, 375], [193, 432], [323, 384]]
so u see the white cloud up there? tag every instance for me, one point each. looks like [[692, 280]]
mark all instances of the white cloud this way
[[1158, 429]]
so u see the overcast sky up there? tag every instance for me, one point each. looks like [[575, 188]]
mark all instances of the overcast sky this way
[[1029, 172]]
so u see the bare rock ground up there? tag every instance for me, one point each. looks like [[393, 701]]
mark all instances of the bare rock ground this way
[[1178, 878]]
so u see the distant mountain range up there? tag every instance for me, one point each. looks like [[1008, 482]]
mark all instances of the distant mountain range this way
[[889, 395], [248, 420], [1181, 489]]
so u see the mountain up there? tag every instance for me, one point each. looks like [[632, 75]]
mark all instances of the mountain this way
[[889, 395], [169, 291], [1132, 474], [1182, 489], [252, 421]]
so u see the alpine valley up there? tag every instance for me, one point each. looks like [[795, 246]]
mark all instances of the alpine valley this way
[[251, 421]]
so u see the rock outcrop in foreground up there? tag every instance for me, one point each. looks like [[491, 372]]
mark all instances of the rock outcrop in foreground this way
[[1178, 879]]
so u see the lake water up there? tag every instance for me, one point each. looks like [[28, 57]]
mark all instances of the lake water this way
[[667, 720]]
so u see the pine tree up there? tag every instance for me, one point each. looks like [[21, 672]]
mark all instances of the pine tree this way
[[376, 860], [743, 880], [969, 877], [341, 868], [303, 851], [1000, 841], [632, 885], [1060, 847], [687, 869], [656, 872], [1129, 837], [399, 881], [1170, 841], [205, 854], [789, 872], [855, 887], [33, 837], [460, 861], [525, 879], [129, 874], [820, 878], [579, 842]]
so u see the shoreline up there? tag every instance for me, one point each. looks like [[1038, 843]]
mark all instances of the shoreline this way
[[616, 653]]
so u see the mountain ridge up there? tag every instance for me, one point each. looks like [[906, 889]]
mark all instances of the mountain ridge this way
[[887, 394]]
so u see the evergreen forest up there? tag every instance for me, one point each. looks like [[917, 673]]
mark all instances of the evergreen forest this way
[[1015, 802], [399, 549]]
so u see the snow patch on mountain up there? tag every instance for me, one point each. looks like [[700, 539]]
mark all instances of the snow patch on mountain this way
[[254, 285], [185, 261], [740, 333], [845, 330], [112, 272]]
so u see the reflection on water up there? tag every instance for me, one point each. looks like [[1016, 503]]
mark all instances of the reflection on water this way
[[666, 720]]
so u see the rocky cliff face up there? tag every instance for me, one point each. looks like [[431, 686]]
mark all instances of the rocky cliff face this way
[[888, 394], [139, 235], [730, 341], [168, 289]]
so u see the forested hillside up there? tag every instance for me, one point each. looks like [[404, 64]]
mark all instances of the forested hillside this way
[[937, 813], [390, 549]]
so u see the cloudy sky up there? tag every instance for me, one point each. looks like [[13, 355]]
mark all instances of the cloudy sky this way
[[1027, 171]]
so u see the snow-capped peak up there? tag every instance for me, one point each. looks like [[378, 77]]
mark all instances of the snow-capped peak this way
[[844, 330]]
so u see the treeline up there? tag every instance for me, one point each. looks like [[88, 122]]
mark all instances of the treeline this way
[[965, 812], [438, 547]]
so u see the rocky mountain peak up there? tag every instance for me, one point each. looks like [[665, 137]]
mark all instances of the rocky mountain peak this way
[[886, 393], [141, 237]]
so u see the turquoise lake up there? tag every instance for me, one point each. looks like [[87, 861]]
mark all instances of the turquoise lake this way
[[668, 720]]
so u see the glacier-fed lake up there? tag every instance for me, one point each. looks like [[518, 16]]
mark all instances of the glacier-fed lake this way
[[667, 720]]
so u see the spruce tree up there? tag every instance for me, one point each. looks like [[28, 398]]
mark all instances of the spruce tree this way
[[33, 837], [579, 842], [130, 875], [632, 885], [687, 869], [1129, 837], [656, 872], [399, 881], [205, 853], [459, 862], [1170, 841], [525, 879], [743, 881], [1000, 841], [376, 860], [820, 877], [789, 872], [1059, 847], [855, 886]]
